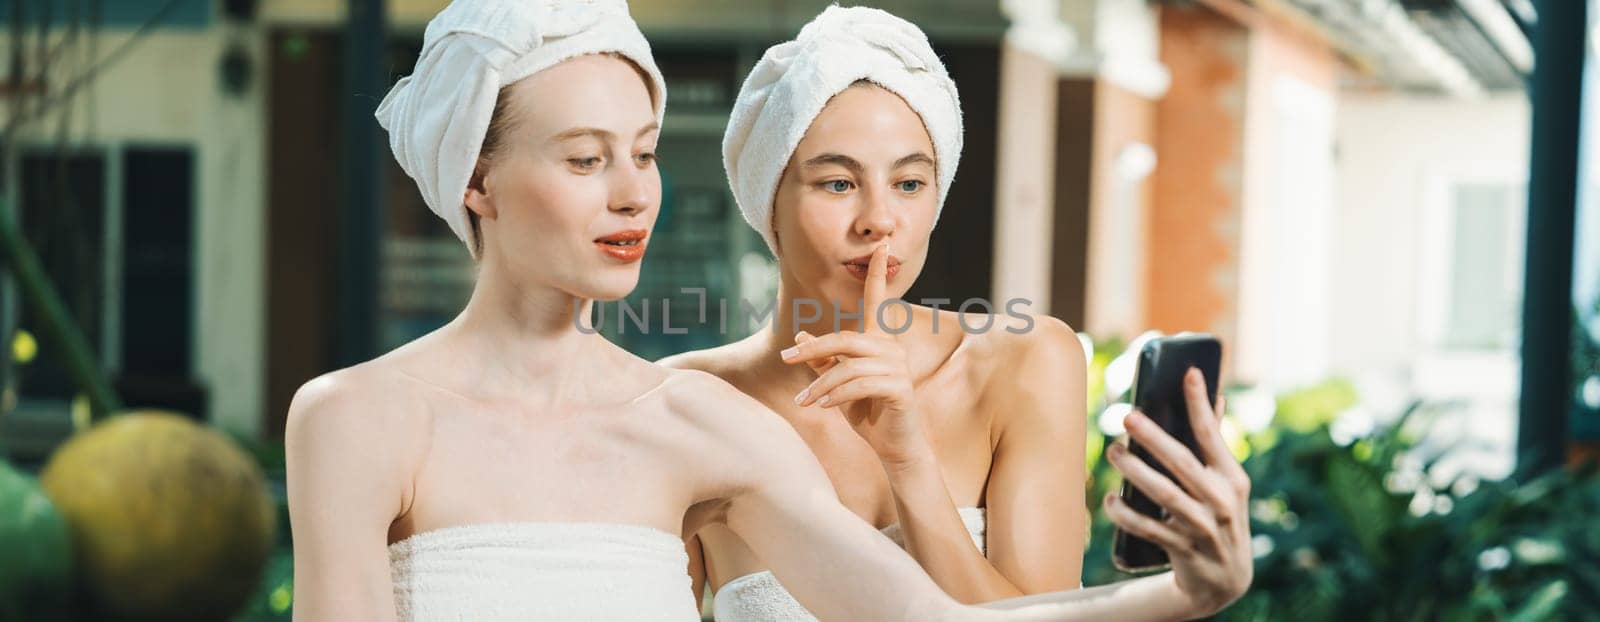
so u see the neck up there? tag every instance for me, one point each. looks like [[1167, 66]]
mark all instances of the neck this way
[[526, 331], [804, 309]]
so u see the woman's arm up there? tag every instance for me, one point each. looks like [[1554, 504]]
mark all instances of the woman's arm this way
[[345, 488], [1038, 518], [839, 567]]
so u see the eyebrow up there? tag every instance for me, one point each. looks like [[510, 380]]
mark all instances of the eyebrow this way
[[835, 158], [856, 167], [915, 158], [596, 132]]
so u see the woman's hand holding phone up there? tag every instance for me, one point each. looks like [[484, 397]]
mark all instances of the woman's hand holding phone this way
[[1207, 534]]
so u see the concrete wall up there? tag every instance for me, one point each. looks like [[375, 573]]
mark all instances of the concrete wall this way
[[1285, 231], [1400, 160], [1394, 153], [1024, 168]]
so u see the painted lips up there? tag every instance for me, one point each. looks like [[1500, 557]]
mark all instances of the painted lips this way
[[626, 246]]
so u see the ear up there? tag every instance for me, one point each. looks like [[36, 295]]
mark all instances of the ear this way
[[477, 198]]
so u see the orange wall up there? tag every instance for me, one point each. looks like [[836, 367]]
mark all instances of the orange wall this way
[[1211, 243], [1192, 264]]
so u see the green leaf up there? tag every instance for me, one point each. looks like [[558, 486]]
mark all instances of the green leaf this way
[[1543, 604], [1358, 494]]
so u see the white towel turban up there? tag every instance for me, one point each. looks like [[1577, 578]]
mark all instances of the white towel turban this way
[[788, 88], [437, 116]]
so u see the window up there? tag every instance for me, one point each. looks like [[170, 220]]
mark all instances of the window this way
[[1485, 267], [113, 229]]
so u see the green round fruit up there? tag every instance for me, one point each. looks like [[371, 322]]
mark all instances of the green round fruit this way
[[36, 566], [170, 520]]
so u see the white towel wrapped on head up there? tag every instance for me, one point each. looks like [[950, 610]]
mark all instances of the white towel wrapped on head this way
[[794, 80], [437, 116]]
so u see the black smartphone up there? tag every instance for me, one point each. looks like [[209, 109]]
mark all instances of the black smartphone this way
[[1158, 393]]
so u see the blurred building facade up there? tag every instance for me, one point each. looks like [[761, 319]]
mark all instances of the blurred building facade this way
[[134, 159], [1331, 187], [1334, 188]]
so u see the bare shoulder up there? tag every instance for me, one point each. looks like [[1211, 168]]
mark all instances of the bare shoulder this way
[[708, 399], [699, 360], [1027, 342], [1037, 369], [737, 436], [1017, 347], [371, 404], [724, 361]]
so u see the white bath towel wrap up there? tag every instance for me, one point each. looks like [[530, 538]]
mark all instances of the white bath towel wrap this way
[[534, 572]]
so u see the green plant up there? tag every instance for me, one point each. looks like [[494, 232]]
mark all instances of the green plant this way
[[274, 597], [1343, 539], [1362, 531]]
